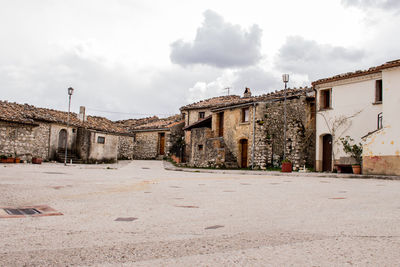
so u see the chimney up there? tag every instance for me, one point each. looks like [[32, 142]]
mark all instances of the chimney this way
[[82, 114], [247, 92]]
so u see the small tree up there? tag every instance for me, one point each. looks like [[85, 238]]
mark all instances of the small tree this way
[[354, 150]]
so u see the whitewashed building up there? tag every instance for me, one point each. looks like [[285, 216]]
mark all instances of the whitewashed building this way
[[362, 105]]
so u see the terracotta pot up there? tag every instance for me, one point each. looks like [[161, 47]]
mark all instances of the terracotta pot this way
[[17, 160], [356, 169], [286, 167], [36, 161]]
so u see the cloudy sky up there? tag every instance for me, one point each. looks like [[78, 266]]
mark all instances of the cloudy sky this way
[[131, 58]]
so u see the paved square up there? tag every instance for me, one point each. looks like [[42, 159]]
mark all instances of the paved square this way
[[136, 213]]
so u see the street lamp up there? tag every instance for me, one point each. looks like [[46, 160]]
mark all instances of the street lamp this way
[[285, 79], [70, 91]]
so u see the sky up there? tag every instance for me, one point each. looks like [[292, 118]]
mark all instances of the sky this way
[[130, 58]]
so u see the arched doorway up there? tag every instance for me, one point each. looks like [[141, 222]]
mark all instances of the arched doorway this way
[[243, 153], [62, 137], [327, 153]]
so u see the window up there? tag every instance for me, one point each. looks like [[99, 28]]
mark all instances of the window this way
[[74, 130], [200, 147], [220, 124], [245, 114], [202, 115], [134, 137], [325, 99], [378, 91], [101, 139]]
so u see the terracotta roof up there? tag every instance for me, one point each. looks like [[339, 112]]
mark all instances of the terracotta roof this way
[[211, 102], [276, 95], [389, 64], [151, 123], [28, 114]]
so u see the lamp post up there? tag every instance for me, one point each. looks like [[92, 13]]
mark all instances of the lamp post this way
[[285, 78], [70, 91]]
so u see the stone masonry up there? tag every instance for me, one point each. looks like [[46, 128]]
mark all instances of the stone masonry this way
[[24, 141]]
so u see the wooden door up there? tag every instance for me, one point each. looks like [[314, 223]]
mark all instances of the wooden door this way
[[162, 143], [221, 124], [62, 138], [327, 153], [243, 149]]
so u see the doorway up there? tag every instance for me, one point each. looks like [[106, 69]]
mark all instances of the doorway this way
[[244, 153], [62, 138], [162, 143], [327, 153]]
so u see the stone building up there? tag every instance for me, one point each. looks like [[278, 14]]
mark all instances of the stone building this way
[[27, 131], [248, 131], [155, 138]]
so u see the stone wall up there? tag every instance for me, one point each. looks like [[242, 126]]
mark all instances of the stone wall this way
[[300, 133], [24, 141], [125, 147], [146, 145], [174, 140]]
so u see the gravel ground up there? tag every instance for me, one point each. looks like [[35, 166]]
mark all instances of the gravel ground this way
[[169, 218]]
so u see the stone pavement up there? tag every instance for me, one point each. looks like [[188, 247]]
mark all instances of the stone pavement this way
[[136, 213]]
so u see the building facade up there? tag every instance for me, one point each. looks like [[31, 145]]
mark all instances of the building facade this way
[[361, 105]]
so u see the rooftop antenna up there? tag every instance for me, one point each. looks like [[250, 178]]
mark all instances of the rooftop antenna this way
[[227, 88]]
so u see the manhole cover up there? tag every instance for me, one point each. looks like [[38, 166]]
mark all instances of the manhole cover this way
[[125, 219], [21, 212], [337, 198], [145, 168], [147, 192], [213, 227]]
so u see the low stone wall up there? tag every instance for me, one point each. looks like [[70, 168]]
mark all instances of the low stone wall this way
[[24, 141]]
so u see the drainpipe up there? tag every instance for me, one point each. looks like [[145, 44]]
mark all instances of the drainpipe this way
[[254, 135]]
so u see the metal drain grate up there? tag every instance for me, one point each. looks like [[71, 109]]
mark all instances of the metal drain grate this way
[[29, 211]]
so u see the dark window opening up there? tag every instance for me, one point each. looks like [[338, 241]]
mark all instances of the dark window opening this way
[[200, 147], [245, 114], [378, 91], [101, 139], [325, 99], [134, 137], [74, 130], [202, 115], [220, 124]]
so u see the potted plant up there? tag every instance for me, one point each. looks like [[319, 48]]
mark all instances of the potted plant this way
[[3, 158], [17, 160], [286, 166], [355, 151], [36, 160]]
